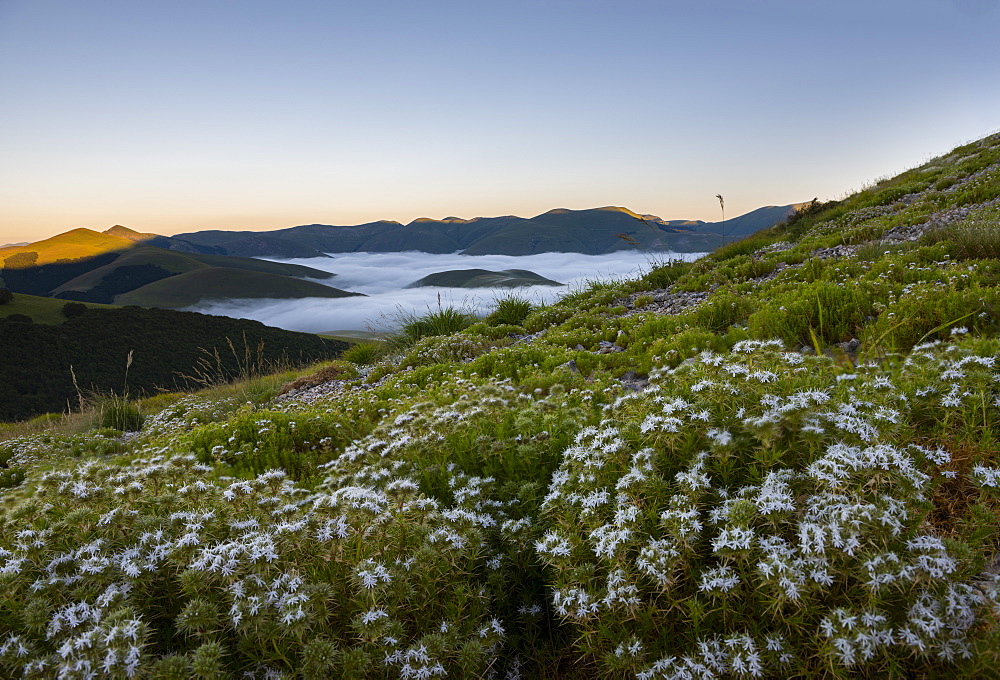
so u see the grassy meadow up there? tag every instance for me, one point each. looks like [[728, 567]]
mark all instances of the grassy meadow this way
[[43, 310], [778, 461]]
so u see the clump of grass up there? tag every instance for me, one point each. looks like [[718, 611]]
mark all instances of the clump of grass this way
[[118, 412], [113, 410], [510, 310], [364, 353], [976, 237], [241, 364], [443, 321], [643, 300], [664, 274]]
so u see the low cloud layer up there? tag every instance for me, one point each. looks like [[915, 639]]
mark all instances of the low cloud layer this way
[[383, 278]]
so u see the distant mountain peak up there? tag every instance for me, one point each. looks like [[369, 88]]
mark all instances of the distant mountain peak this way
[[131, 234], [615, 208], [444, 220]]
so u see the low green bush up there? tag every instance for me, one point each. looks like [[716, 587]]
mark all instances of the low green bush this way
[[975, 237], [510, 310], [364, 353], [830, 312], [443, 321]]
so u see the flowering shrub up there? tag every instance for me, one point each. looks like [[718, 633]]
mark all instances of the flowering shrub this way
[[728, 522]]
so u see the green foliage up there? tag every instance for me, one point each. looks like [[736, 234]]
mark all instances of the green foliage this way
[[546, 316], [926, 312], [21, 260], [71, 309], [510, 310], [744, 246], [41, 281], [118, 412], [443, 321], [121, 279], [661, 276], [5, 296], [172, 350], [722, 310], [975, 237], [833, 312], [364, 353]]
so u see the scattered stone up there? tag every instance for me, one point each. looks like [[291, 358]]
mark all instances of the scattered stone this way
[[318, 392], [779, 247], [606, 347], [323, 375], [665, 301], [938, 220], [835, 251], [851, 346], [633, 381], [570, 366]]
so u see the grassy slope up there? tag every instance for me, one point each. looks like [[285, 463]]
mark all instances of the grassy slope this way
[[40, 309], [71, 245], [190, 288], [188, 262], [489, 503], [141, 255]]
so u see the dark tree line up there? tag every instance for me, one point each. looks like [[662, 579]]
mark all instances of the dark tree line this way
[[35, 362]]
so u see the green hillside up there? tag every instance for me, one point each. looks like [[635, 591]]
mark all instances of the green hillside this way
[[41, 309], [779, 461], [128, 271], [72, 245], [190, 288], [484, 278]]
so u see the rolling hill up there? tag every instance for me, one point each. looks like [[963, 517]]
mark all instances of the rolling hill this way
[[212, 283], [484, 278], [89, 266], [43, 310]]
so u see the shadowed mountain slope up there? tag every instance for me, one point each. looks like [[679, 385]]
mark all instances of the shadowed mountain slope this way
[[593, 231], [190, 288], [484, 278]]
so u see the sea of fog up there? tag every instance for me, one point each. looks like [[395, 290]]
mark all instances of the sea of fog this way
[[384, 277]]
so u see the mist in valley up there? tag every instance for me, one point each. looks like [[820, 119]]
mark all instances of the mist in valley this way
[[383, 279]]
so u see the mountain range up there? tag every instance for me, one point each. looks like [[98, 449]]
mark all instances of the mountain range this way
[[592, 231]]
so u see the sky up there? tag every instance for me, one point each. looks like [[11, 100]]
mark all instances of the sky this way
[[178, 116]]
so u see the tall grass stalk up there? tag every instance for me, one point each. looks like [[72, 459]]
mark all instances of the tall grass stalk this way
[[215, 368]]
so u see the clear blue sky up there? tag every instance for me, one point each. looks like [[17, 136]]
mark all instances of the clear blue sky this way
[[174, 116]]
